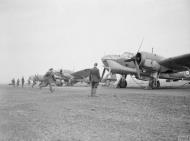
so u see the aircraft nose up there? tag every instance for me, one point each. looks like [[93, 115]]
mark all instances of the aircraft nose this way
[[104, 60], [105, 57], [108, 57]]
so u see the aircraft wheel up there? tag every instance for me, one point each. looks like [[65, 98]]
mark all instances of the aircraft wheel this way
[[123, 84], [151, 84], [126, 84], [154, 84], [158, 84]]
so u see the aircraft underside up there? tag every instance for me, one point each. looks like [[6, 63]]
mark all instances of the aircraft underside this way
[[151, 77]]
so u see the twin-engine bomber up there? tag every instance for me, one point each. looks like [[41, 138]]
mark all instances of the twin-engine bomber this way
[[148, 66]]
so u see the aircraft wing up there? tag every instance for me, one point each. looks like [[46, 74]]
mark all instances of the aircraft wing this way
[[81, 74], [178, 63]]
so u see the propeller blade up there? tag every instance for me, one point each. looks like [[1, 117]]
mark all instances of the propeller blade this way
[[137, 68], [103, 73], [140, 44]]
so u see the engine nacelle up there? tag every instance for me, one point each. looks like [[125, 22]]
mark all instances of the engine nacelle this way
[[148, 61]]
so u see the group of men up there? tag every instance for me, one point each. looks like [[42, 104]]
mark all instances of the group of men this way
[[17, 83], [49, 78]]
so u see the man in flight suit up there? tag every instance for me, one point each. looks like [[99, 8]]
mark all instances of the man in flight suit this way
[[94, 78], [48, 79]]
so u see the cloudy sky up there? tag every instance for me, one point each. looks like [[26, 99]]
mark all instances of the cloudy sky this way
[[73, 34]]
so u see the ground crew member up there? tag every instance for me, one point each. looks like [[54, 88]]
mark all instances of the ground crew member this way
[[17, 83], [48, 79], [13, 82], [22, 80], [94, 78]]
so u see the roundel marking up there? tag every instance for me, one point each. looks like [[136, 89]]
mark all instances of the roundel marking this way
[[187, 73]]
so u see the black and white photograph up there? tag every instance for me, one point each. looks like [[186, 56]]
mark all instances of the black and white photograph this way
[[95, 70]]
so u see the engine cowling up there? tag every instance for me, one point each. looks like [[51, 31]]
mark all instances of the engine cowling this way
[[187, 74], [148, 61]]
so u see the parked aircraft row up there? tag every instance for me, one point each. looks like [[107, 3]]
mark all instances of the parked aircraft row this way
[[63, 76], [143, 65]]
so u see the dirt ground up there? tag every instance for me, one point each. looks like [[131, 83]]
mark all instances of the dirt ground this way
[[132, 114]]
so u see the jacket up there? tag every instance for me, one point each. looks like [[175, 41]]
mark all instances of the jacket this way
[[94, 75]]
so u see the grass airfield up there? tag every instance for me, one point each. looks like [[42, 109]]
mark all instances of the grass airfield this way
[[69, 114]]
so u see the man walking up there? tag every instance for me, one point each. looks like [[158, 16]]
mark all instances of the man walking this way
[[48, 79], [94, 78]]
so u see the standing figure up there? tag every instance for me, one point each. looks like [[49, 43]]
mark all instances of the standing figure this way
[[48, 79], [22, 80], [17, 82], [13, 82], [94, 78]]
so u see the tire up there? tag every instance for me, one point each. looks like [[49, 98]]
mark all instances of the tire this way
[[150, 84], [123, 84], [158, 84]]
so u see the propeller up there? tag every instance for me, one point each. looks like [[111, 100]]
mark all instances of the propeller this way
[[134, 59], [137, 68]]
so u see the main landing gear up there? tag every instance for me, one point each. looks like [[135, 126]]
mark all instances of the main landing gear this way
[[154, 82], [122, 82]]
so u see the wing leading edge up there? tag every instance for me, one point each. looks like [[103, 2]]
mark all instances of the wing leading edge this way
[[81, 74]]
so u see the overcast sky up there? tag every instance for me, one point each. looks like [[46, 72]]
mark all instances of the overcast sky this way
[[73, 34]]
